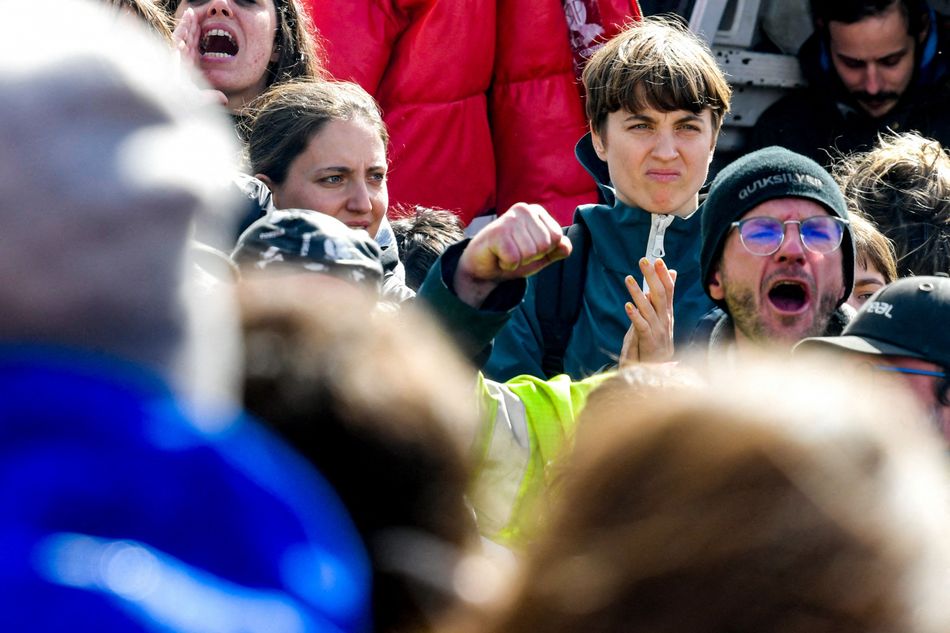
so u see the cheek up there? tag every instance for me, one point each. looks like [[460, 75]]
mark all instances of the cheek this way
[[303, 195], [901, 75], [833, 275], [265, 35], [850, 78], [381, 202]]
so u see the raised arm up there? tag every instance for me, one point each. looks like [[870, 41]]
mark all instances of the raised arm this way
[[518, 244]]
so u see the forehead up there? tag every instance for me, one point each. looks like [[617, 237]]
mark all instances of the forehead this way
[[354, 133], [651, 111], [871, 38], [787, 209]]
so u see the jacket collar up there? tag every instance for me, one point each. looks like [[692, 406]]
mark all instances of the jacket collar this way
[[589, 160]]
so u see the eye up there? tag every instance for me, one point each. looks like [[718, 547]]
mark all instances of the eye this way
[[854, 64], [335, 179], [761, 230], [892, 60], [378, 177]]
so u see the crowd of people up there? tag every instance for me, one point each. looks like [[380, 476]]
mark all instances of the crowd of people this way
[[238, 396]]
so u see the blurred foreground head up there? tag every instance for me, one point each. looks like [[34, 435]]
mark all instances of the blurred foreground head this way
[[384, 408], [777, 499], [109, 157]]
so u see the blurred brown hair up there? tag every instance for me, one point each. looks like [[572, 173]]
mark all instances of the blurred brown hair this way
[[149, 11], [777, 499], [386, 415]]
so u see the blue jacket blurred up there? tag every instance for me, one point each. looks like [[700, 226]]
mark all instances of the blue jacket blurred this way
[[122, 513]]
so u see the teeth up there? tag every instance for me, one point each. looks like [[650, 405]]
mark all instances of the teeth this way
[[219, 32], [216, 55]]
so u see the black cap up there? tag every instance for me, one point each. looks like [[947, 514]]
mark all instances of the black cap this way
[[910, 317], [310, 241]]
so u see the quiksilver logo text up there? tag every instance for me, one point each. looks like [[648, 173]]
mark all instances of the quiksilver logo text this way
[[779, 179]]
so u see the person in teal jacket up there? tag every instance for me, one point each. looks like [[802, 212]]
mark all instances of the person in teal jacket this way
[[656, 100], [527, 423]]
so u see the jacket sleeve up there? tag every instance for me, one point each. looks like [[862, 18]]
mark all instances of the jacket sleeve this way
[[527, 424], [518, 347], [472, 328]]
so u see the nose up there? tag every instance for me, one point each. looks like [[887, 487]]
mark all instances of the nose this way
[[665, 146], [359, 199], [872, 80], [220, 7], [792, 249]]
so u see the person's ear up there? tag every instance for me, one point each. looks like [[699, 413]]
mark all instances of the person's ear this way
[[266, 180], [270, 185], [600, 143], [716, 290]]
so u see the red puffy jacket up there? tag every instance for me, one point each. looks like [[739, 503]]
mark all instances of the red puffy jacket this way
[[480, 96]]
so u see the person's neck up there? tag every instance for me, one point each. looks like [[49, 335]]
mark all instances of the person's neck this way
[[683, 212], [745, 346]]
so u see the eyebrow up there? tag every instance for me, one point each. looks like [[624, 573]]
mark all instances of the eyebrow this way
[[348, 170], [648, 119], [897, 53]]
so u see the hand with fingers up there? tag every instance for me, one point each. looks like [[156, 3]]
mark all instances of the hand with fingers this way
[[650, 336], [517, 244], [185, 39]]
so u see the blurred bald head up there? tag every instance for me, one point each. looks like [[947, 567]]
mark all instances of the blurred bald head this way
[[109, 156]]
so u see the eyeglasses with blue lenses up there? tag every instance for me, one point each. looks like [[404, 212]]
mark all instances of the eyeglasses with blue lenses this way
[[912, 372], [764, 235]]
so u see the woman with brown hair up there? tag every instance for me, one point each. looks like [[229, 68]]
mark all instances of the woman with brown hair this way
[[242, 47]]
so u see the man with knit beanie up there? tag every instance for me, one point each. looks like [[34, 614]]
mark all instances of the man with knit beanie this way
[[777, 254]]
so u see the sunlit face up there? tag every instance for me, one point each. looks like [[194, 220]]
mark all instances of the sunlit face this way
[[867, 281], [657, 160], [236, 45], [341, 172], [874, 58], [782, 298]]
